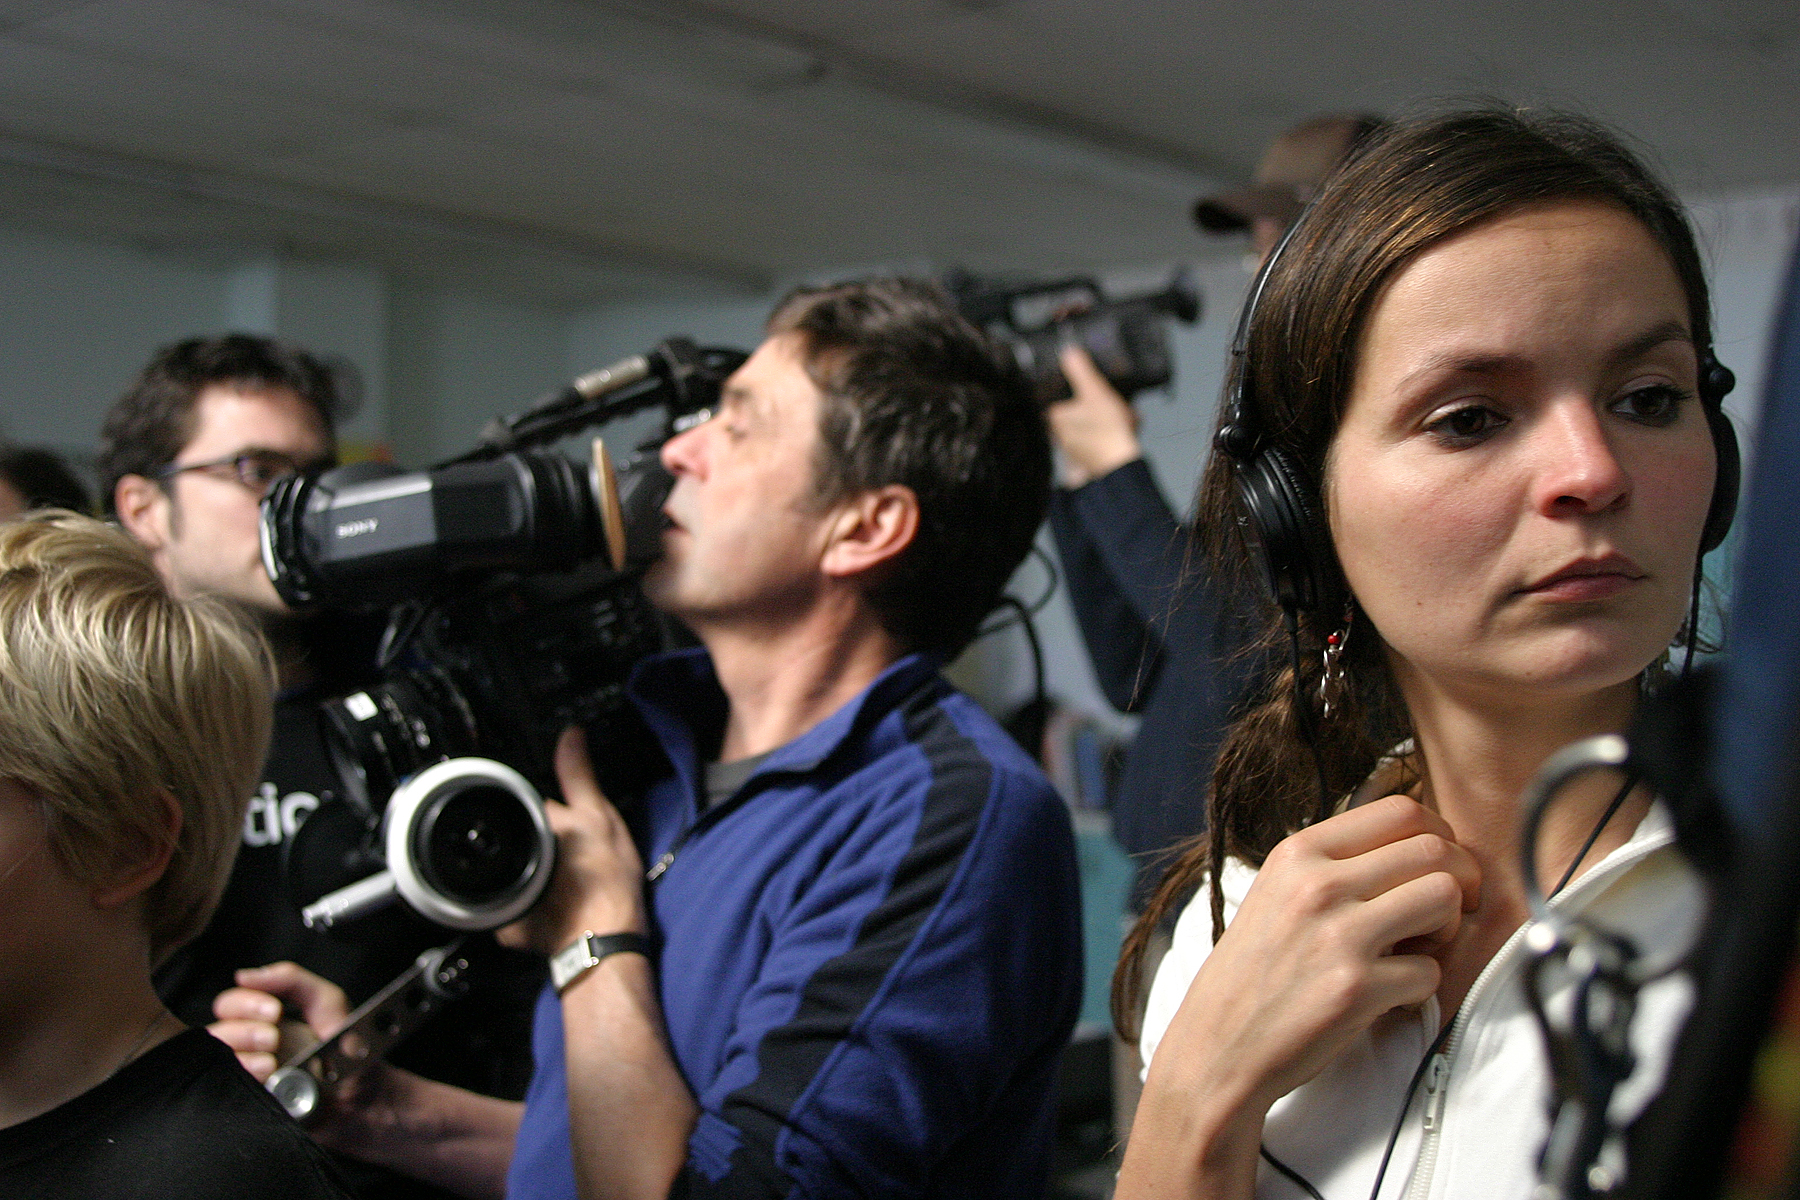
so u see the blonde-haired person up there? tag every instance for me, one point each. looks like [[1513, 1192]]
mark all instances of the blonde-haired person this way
[[132, 725]]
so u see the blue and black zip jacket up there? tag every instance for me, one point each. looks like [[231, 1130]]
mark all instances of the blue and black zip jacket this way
[[871, 952]]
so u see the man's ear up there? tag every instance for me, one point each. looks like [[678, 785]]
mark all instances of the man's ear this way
[[145, 510], [134, 878], [871, 528]]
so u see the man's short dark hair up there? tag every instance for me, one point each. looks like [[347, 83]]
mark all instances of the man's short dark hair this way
[[42, 479], [147, 427], [915, 395]]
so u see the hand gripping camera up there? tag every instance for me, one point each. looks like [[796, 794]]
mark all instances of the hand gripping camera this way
[[510, 578], [1127, 337]]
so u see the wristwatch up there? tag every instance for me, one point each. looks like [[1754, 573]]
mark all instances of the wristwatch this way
[[585, 952]]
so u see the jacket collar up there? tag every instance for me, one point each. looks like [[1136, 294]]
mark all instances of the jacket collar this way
[[682, 702]]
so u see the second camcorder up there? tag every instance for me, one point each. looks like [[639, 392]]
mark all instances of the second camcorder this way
[[510, 581], [1128, 337]]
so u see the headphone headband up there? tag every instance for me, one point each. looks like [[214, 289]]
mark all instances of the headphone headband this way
[[1277, 499], [1238, 437]]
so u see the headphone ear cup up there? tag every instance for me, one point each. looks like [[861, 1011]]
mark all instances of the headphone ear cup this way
[[1287, 526], [1716, 380], [1726, 479]]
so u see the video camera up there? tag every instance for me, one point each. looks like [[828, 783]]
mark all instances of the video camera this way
[[1128, 337], [510, 576]]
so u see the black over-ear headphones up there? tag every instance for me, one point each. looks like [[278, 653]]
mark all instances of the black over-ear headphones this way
[[1278, 501], [1716, 382]]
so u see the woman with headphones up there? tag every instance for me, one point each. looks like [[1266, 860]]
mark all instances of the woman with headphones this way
[[1474, 448]]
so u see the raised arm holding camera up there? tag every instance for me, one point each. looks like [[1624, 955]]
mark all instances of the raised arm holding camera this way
[[1164, 641], [854, 957]]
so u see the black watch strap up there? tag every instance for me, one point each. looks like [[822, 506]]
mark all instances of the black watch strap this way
[[585, 952]]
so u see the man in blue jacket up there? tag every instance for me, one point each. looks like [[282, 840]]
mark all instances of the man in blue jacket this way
[[835, 950]]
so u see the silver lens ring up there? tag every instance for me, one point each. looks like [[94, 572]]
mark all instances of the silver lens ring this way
[[416, 797]]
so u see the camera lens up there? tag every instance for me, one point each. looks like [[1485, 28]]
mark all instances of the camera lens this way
[[474, 845], [468, 844]]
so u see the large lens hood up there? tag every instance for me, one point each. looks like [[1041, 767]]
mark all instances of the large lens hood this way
[[468, 843]]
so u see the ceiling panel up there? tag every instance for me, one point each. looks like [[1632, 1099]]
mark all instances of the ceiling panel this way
[[717, 144]]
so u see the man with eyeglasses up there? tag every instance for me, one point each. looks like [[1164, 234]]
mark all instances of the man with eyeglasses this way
[[187, 454], [192, 446]]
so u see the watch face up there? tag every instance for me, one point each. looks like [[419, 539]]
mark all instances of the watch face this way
[[570, 962]]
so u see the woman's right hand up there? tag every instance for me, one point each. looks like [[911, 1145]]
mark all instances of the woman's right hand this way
[[1338, 928]]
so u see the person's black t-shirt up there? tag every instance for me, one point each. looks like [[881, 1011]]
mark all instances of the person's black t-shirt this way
[[183, 1122]]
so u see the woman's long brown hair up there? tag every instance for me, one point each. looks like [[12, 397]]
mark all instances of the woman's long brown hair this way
[[1408, 188]]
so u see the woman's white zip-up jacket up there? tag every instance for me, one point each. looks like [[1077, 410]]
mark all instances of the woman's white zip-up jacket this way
[[1480, 1115]]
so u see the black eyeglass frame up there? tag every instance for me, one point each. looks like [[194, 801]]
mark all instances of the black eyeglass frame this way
[[252, 468]]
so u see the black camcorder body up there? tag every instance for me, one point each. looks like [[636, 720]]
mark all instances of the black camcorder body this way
[[511, 580], [1127, 337]]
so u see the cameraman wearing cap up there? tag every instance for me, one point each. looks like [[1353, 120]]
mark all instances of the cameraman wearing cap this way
[[854, 956], [1162, 643]]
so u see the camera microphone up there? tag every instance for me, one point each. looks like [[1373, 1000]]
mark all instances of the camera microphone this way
[[623, 373], [504, 433], [676, 373]]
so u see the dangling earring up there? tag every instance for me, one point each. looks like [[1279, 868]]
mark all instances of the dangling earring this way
[[1334, 678]]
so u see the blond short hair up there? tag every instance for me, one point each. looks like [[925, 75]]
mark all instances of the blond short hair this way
[[113, 694]]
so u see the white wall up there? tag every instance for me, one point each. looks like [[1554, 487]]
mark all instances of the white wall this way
[[457, 360], [77, 319]]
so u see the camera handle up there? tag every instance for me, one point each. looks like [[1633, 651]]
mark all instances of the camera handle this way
[[436, 978], [348, 903]]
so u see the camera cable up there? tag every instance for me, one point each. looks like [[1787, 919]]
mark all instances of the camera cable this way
[[1024, 610]]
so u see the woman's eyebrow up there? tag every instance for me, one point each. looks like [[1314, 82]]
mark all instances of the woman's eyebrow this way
[[1637, 347], [1464, 363]]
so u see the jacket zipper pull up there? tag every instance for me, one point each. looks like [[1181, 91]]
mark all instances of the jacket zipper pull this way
[[662, 864], [1437, 1076]]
